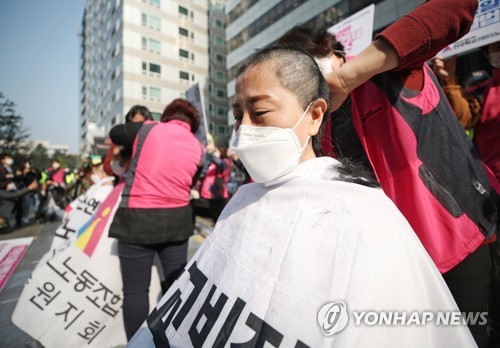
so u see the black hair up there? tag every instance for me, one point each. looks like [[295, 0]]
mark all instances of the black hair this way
[[138, 109], [298, 72], [350, 171], [317, 42], [5, 154]]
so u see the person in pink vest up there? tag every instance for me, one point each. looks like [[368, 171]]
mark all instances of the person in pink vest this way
[[395, 119], [154, 216], [56, 173], [214, 181]]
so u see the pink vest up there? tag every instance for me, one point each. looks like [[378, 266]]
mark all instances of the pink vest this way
[[165, 159], [207, 188], [426, 164]]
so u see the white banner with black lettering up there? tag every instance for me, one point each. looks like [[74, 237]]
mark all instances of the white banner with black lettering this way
[[74, 296], [277, 255]]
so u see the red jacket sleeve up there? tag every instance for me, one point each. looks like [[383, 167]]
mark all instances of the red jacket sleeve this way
[[428, 29]]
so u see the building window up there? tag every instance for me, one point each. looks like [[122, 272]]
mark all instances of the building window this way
[[220, 93], [219, 41], [221, 76], [183, 32], [219, 23], [155, 93], [151, 21], [155, 3], [155, 68], [183, 53], [154, 45], [183, 75], [220, 58], [183, 11], [221, 111]]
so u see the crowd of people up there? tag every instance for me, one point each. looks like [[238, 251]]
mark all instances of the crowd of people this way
[[29, 195], [373, 179]]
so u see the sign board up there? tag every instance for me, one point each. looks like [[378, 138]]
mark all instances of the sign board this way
[[74, 296], [11, 253], [485, 30], [355, 32], [193, 95]]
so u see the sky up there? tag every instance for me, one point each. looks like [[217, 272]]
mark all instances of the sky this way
[[39, 66]]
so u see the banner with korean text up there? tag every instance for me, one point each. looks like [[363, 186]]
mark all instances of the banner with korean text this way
[[485, 30], [74, 296], [355, 32]]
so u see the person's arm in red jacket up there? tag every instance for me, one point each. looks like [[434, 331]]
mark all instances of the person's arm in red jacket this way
[[405, 45]]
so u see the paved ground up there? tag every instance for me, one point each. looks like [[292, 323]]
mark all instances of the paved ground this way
[[10, 335]]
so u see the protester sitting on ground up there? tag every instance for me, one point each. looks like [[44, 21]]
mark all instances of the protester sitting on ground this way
[[154, 216], [12, 196], [310, 231], [7, 172], [394, 118]]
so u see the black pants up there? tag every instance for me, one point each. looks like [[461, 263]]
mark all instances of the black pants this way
[[469, 283], [216, 207], [136, 262]]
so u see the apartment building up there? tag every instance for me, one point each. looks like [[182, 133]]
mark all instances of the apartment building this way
[[146, 52], [253, 24]]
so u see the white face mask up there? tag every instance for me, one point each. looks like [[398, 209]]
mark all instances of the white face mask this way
[[495, 59], [117, 169], [55, 165], [269, 152], [95, 178], [324, 64], [9, 162]]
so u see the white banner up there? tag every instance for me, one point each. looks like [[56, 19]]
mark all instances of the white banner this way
[[11, 253], [484, 30], [74, 296], [79, 212], [193, 95], [355, 32], [279, 254]]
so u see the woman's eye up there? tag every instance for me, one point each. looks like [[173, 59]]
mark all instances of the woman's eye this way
[[260, 112]]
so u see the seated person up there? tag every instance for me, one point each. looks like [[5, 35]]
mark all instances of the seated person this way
[[308, 233]]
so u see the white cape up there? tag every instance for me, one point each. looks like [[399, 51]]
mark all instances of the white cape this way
[[280, 253]]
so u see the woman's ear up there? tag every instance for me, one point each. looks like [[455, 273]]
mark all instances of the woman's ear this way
[[318, 109]]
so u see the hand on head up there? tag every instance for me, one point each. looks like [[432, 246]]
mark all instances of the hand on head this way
[[338, 85]]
